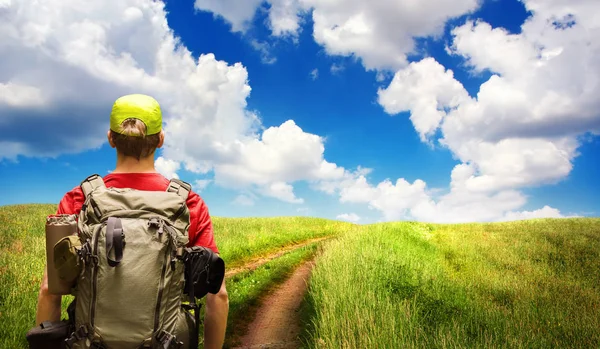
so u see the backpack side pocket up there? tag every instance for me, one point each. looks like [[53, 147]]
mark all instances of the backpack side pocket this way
[[66, 258]]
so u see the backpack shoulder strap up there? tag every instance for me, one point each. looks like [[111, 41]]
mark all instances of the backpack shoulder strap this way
[[180, 187], [92, 182]]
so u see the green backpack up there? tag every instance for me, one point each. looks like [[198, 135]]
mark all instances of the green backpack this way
[[130, 290]]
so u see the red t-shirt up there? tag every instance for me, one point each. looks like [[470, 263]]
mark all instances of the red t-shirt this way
[[200, 231]]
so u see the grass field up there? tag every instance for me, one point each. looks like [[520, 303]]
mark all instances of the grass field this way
[[528, 284], [240, 239], [22, 260]]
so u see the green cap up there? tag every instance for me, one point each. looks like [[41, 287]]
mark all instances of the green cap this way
[[137, 106]]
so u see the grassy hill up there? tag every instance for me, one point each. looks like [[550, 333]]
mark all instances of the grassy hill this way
[[526, 284], [533, 284]]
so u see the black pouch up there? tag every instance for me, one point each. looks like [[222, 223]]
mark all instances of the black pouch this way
[[204, 271], [49, 335]]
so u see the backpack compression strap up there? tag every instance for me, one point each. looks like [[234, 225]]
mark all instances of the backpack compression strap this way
[[180, 187], [114, 239], [92, 182]]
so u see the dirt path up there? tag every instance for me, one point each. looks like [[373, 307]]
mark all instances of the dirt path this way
[[255, 263], [277, 323]]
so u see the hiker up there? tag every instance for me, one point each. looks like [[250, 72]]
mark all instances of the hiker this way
[[136, 132]]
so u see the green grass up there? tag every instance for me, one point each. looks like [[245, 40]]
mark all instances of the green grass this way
[[240, 239], [22, 257], [528, 284]]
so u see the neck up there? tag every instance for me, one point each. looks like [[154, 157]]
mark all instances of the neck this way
[[128, 164]]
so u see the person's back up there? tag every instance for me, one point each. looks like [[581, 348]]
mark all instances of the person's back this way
[[136, 132]]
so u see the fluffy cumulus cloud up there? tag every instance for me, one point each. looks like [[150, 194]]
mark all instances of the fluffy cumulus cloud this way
[[392, 199], [522, 127], [284, 17], [402, 200], [282, 154], [282, 191], [378, 32], [64, 64], [427, 89]]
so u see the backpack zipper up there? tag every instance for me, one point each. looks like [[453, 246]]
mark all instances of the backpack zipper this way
[[95, 274], [161, 287], [171, 245]]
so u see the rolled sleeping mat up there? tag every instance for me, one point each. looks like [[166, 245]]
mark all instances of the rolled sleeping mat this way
[[58, 227]]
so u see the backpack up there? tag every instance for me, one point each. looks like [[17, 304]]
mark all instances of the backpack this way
[[129, 293]]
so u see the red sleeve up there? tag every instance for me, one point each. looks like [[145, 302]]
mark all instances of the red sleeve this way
[[71, 203], [201, 228]]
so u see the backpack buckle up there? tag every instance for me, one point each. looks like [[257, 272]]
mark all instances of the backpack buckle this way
[[77, 335], [168, 341]]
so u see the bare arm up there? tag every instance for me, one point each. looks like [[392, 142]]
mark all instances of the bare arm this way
[[215, 319], [48, 307]]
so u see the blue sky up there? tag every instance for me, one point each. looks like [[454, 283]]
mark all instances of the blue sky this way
[[365, 109]]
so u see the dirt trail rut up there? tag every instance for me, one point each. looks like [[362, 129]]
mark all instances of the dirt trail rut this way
[[277, 321], [255, 263]]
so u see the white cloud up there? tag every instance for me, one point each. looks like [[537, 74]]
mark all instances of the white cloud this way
[[538, 92], [393, 200], [265, 51], [493, 49], [16, 95], [379, 32], [237, 13], [281, 191], [243, 200], [336, 68], [403, 200], [81, 58], [350, 217], [284, 17], [166, 167], [425, 88], [381, 75], [521, 129], [201, 184], [461, 204], [283, 154], [314, 74], [63, 65], [544, 212]]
